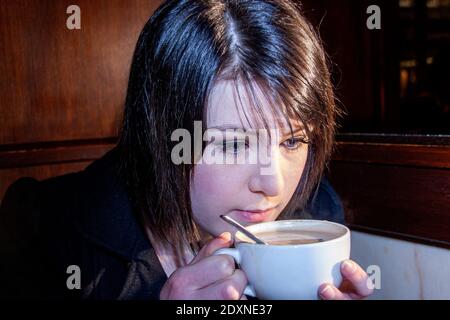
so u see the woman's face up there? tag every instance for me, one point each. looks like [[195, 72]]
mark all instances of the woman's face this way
[[249, 191]]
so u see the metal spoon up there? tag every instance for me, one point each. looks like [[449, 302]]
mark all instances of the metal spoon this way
[[242, 229]]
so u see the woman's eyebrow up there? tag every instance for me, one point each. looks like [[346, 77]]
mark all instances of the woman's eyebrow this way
[[224, 127], [285, 131], [236, 130], [294, 132]]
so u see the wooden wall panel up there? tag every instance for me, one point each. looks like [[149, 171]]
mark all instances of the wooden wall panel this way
[[395, 190], [52, 153], [354, 54], [62, 91], [58, 84]]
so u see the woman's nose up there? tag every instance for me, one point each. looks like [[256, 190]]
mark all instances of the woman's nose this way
[[268, 178]]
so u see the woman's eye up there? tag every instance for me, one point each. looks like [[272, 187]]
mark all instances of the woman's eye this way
[[294, 143], [233, 147]]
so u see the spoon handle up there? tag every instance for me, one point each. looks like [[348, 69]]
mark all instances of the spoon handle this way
[[242, 229]]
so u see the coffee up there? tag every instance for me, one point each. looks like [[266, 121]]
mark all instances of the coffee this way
[[293, 241], [294, 237]]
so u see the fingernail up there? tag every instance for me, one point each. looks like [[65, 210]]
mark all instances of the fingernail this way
[[349, 266], [226, 236], [232, 294], [327, 292]]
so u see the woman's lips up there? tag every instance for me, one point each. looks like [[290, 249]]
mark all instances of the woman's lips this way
[[254, 215]]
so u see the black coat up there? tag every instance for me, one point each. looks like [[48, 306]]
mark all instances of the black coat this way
[[85, 219]]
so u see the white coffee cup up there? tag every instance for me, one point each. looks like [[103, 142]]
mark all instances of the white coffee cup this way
[[291, 272]]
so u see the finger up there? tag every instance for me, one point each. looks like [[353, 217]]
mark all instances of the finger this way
[[230, 288], [222, 241], [207, 271], [357, 277], [330, 292]]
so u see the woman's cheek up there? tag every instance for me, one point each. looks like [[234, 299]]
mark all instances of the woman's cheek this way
[[214, 193], [216, 184]]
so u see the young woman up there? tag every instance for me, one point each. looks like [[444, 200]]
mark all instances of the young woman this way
[[140, 223]]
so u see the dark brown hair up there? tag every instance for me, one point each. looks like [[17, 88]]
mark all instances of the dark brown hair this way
[[182, 50]]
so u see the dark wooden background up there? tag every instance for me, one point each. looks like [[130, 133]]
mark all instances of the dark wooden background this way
[[62, 91], [395, 184], [62, 94]]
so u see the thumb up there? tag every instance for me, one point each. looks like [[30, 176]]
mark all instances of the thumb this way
[[222, 241]]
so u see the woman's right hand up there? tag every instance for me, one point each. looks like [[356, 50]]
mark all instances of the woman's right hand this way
[[207, 276]]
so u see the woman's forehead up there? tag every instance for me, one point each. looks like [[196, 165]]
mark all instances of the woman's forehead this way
[[232, 105]]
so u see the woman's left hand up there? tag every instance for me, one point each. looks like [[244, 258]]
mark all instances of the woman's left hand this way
[[354, 284]]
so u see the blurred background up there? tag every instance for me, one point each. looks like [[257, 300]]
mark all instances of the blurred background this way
[[62, 93]]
